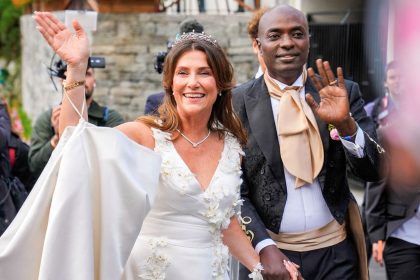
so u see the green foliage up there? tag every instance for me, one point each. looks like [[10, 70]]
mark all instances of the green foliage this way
[[26, 123], [10, 59], [9, 31]]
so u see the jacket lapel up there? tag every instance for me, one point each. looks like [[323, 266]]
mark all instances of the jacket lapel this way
[[261, 122], [322, 126]]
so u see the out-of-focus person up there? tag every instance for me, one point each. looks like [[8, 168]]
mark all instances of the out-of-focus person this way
[[45, 134], [404, 137], [381, 107], [393, 222], [252, 29], [16, 181], [380, 110], [392, 209]]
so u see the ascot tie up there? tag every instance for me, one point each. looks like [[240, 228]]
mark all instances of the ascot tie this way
[[301, 147]]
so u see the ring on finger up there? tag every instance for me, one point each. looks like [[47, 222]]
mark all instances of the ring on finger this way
[[333, 83]]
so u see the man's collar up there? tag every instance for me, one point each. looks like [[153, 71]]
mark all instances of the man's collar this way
[[95, 110], [298, 82]]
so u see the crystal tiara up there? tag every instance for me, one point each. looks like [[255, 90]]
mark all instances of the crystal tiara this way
[[195, 36]]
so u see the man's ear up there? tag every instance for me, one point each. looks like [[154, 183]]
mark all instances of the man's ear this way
[[257, 40], [255, 47]]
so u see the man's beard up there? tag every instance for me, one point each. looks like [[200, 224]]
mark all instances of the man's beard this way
[[88, 94]]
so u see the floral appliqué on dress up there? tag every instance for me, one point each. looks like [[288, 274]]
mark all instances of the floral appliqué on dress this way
[[156, 263], [221, 198]]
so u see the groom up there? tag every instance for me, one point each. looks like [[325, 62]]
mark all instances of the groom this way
[[297, 202]]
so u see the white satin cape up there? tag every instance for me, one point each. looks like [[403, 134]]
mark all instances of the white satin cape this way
[[85, 212]]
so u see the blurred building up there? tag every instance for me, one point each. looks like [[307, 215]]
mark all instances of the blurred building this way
[[349, 33], [131, 42]]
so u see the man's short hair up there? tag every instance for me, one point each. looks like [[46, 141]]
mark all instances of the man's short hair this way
[[190, 24], [391, 65]]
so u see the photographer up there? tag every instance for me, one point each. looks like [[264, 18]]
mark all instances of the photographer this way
[[16, 180], [45, 135], [153, 101]]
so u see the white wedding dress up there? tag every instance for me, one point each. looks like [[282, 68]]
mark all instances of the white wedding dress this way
[[181, 237], [84, 214], [83, 217]]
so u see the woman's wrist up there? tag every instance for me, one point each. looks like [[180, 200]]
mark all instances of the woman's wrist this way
[[76, 72], [73, 85], [256, 273]]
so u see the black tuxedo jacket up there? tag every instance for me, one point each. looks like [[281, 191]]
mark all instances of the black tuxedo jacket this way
[[264, 188], [153, 102], [388, 207]]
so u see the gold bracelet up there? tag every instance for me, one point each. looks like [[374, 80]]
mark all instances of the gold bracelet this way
[[73, 85]]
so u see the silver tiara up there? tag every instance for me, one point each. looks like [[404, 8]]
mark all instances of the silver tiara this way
[[194, 36]]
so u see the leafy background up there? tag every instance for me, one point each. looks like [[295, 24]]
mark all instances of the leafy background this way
[[10, 66]]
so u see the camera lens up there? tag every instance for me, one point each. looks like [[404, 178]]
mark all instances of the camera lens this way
[[160, 59]]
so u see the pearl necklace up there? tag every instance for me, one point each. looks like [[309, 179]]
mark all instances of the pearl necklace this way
[[194, 144]]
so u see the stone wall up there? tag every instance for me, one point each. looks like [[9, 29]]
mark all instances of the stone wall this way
[[129, 42]]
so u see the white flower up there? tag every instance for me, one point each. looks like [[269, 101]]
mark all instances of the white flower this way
[[157, 263]]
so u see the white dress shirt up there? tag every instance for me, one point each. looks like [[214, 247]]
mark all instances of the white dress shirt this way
[[305, 207], [410, 230], [259, 72]]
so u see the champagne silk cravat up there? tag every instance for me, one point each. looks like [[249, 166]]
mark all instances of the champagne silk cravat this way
[[301, 147]]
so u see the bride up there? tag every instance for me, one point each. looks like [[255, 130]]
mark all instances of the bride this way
[[192, 224]]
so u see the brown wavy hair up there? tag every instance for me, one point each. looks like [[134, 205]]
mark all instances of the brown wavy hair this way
[[222, 119], [252, 27]]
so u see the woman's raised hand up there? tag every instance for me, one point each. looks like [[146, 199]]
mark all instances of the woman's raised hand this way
[[73, 48]]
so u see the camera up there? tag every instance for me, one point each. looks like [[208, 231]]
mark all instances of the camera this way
[[160, 58], [60, 67], [96, 62], [186, 26]]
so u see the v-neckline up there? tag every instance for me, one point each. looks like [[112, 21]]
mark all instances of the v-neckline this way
[[201, 189]]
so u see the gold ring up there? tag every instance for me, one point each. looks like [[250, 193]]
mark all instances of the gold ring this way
[[333, 83]]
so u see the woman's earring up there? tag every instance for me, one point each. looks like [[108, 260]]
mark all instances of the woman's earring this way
[[220, 93]]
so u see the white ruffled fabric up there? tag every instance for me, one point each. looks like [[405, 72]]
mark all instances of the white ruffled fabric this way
[[84, 214], [181, 237], [256, 273]]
